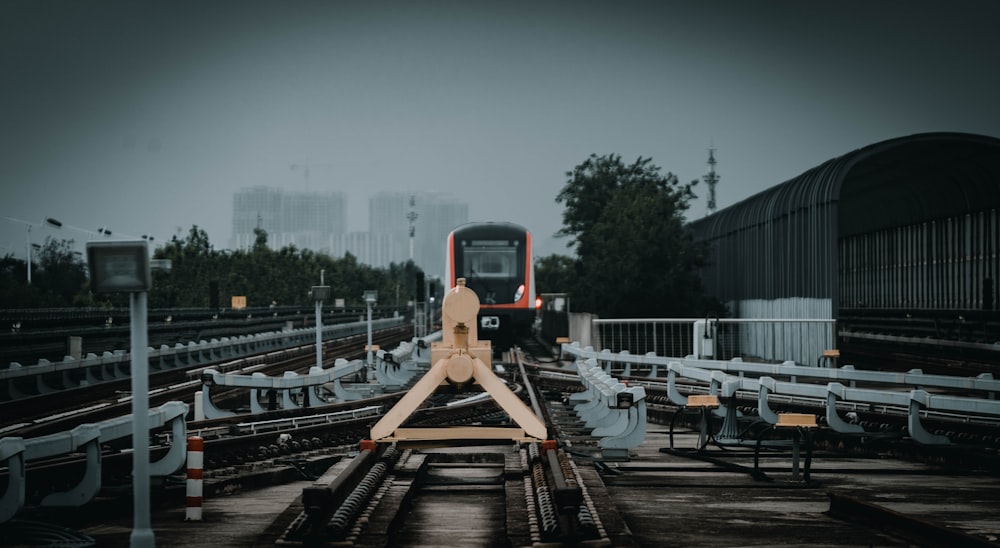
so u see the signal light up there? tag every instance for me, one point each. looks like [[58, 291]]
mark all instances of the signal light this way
[[538, 302]]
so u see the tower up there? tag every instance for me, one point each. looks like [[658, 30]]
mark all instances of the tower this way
[[711, 179], [412, 216]]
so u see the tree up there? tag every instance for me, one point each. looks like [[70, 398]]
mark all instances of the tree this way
[[555, 274], [188, 282], [61, 272], [203, 277], [59, 278], [635, 257], [259, 240]]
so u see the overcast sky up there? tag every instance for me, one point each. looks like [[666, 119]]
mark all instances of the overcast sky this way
[[146, 118]]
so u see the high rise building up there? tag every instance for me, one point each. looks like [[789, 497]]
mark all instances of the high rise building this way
[[317, 221], [367, 248], [387, 216], [258, 207], [304, 219], [440, 216], [432, 216]]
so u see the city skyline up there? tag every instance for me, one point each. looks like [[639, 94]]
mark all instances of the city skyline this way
[[316, 220], [146, 119]]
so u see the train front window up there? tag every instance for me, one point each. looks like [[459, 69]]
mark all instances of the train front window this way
[[493, 268], [491, 263]]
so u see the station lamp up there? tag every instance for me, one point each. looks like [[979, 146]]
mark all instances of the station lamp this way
[[124, 267], [319, 293], [370, 296], [118, 266]]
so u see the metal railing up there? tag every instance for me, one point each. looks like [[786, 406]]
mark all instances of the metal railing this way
[[290, 423], [769, 340]]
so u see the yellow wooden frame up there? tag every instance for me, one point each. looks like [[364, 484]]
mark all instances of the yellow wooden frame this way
[[460, 361]]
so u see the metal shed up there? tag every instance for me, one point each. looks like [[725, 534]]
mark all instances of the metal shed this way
[[907, 223]]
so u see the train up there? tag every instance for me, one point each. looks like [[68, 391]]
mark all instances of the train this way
[[495, 260]]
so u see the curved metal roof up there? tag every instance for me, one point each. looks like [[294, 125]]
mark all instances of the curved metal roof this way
[[918, 178], [788, 233], [890, 183]]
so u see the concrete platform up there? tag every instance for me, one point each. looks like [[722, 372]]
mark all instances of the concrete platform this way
[[243, 518], [669, 500]]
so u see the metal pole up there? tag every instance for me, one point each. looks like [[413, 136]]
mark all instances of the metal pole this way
[[29, 254], [142, 533], [369, 333], [319, 333], [319, 323]]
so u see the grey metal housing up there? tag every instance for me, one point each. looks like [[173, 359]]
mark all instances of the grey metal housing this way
[[906, 223]]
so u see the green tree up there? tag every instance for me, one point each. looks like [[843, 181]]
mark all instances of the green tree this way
[[555, 274], [199, 274], [203, 277], [61, 273], [635, 257], [58, 279], [194, 266]]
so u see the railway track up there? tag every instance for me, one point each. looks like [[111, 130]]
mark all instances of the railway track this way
[[458, 496], [494, 495], [63, 410], [539, 483], [900, 356], [30, 335], [56, 474]]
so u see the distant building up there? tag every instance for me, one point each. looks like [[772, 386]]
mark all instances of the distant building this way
[[440, 216], [436, 215], [367, 248], [304, 219], [387, 213], [317, 221]]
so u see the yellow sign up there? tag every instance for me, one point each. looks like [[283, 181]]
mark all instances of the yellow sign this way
[[239, 302]]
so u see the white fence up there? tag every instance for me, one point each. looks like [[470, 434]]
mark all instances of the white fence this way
[[770, 340]]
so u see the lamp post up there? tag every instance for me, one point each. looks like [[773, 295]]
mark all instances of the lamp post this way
[[28, 244], [101, 231], [124, 266], [29, 254], [430, 315], [319, 294], [371, 296], [430, 304], [56, 223]]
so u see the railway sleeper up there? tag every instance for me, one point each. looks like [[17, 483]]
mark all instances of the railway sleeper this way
[[373, 498]]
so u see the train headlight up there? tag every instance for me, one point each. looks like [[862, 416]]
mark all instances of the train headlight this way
[[519, 293]]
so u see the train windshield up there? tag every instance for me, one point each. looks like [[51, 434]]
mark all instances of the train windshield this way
[[491, 258], [493, 268]]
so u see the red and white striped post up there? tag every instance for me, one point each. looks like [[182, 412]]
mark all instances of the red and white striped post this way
[[195, 465]]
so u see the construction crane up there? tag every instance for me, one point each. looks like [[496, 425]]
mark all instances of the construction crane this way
[[306, 167]]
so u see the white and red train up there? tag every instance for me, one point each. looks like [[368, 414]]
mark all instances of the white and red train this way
[[495, 260]]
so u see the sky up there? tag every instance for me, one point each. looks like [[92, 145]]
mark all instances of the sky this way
[[146, 117]]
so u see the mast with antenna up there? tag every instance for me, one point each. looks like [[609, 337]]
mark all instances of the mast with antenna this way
[[412, 216], [711, 179], [305, 171]]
